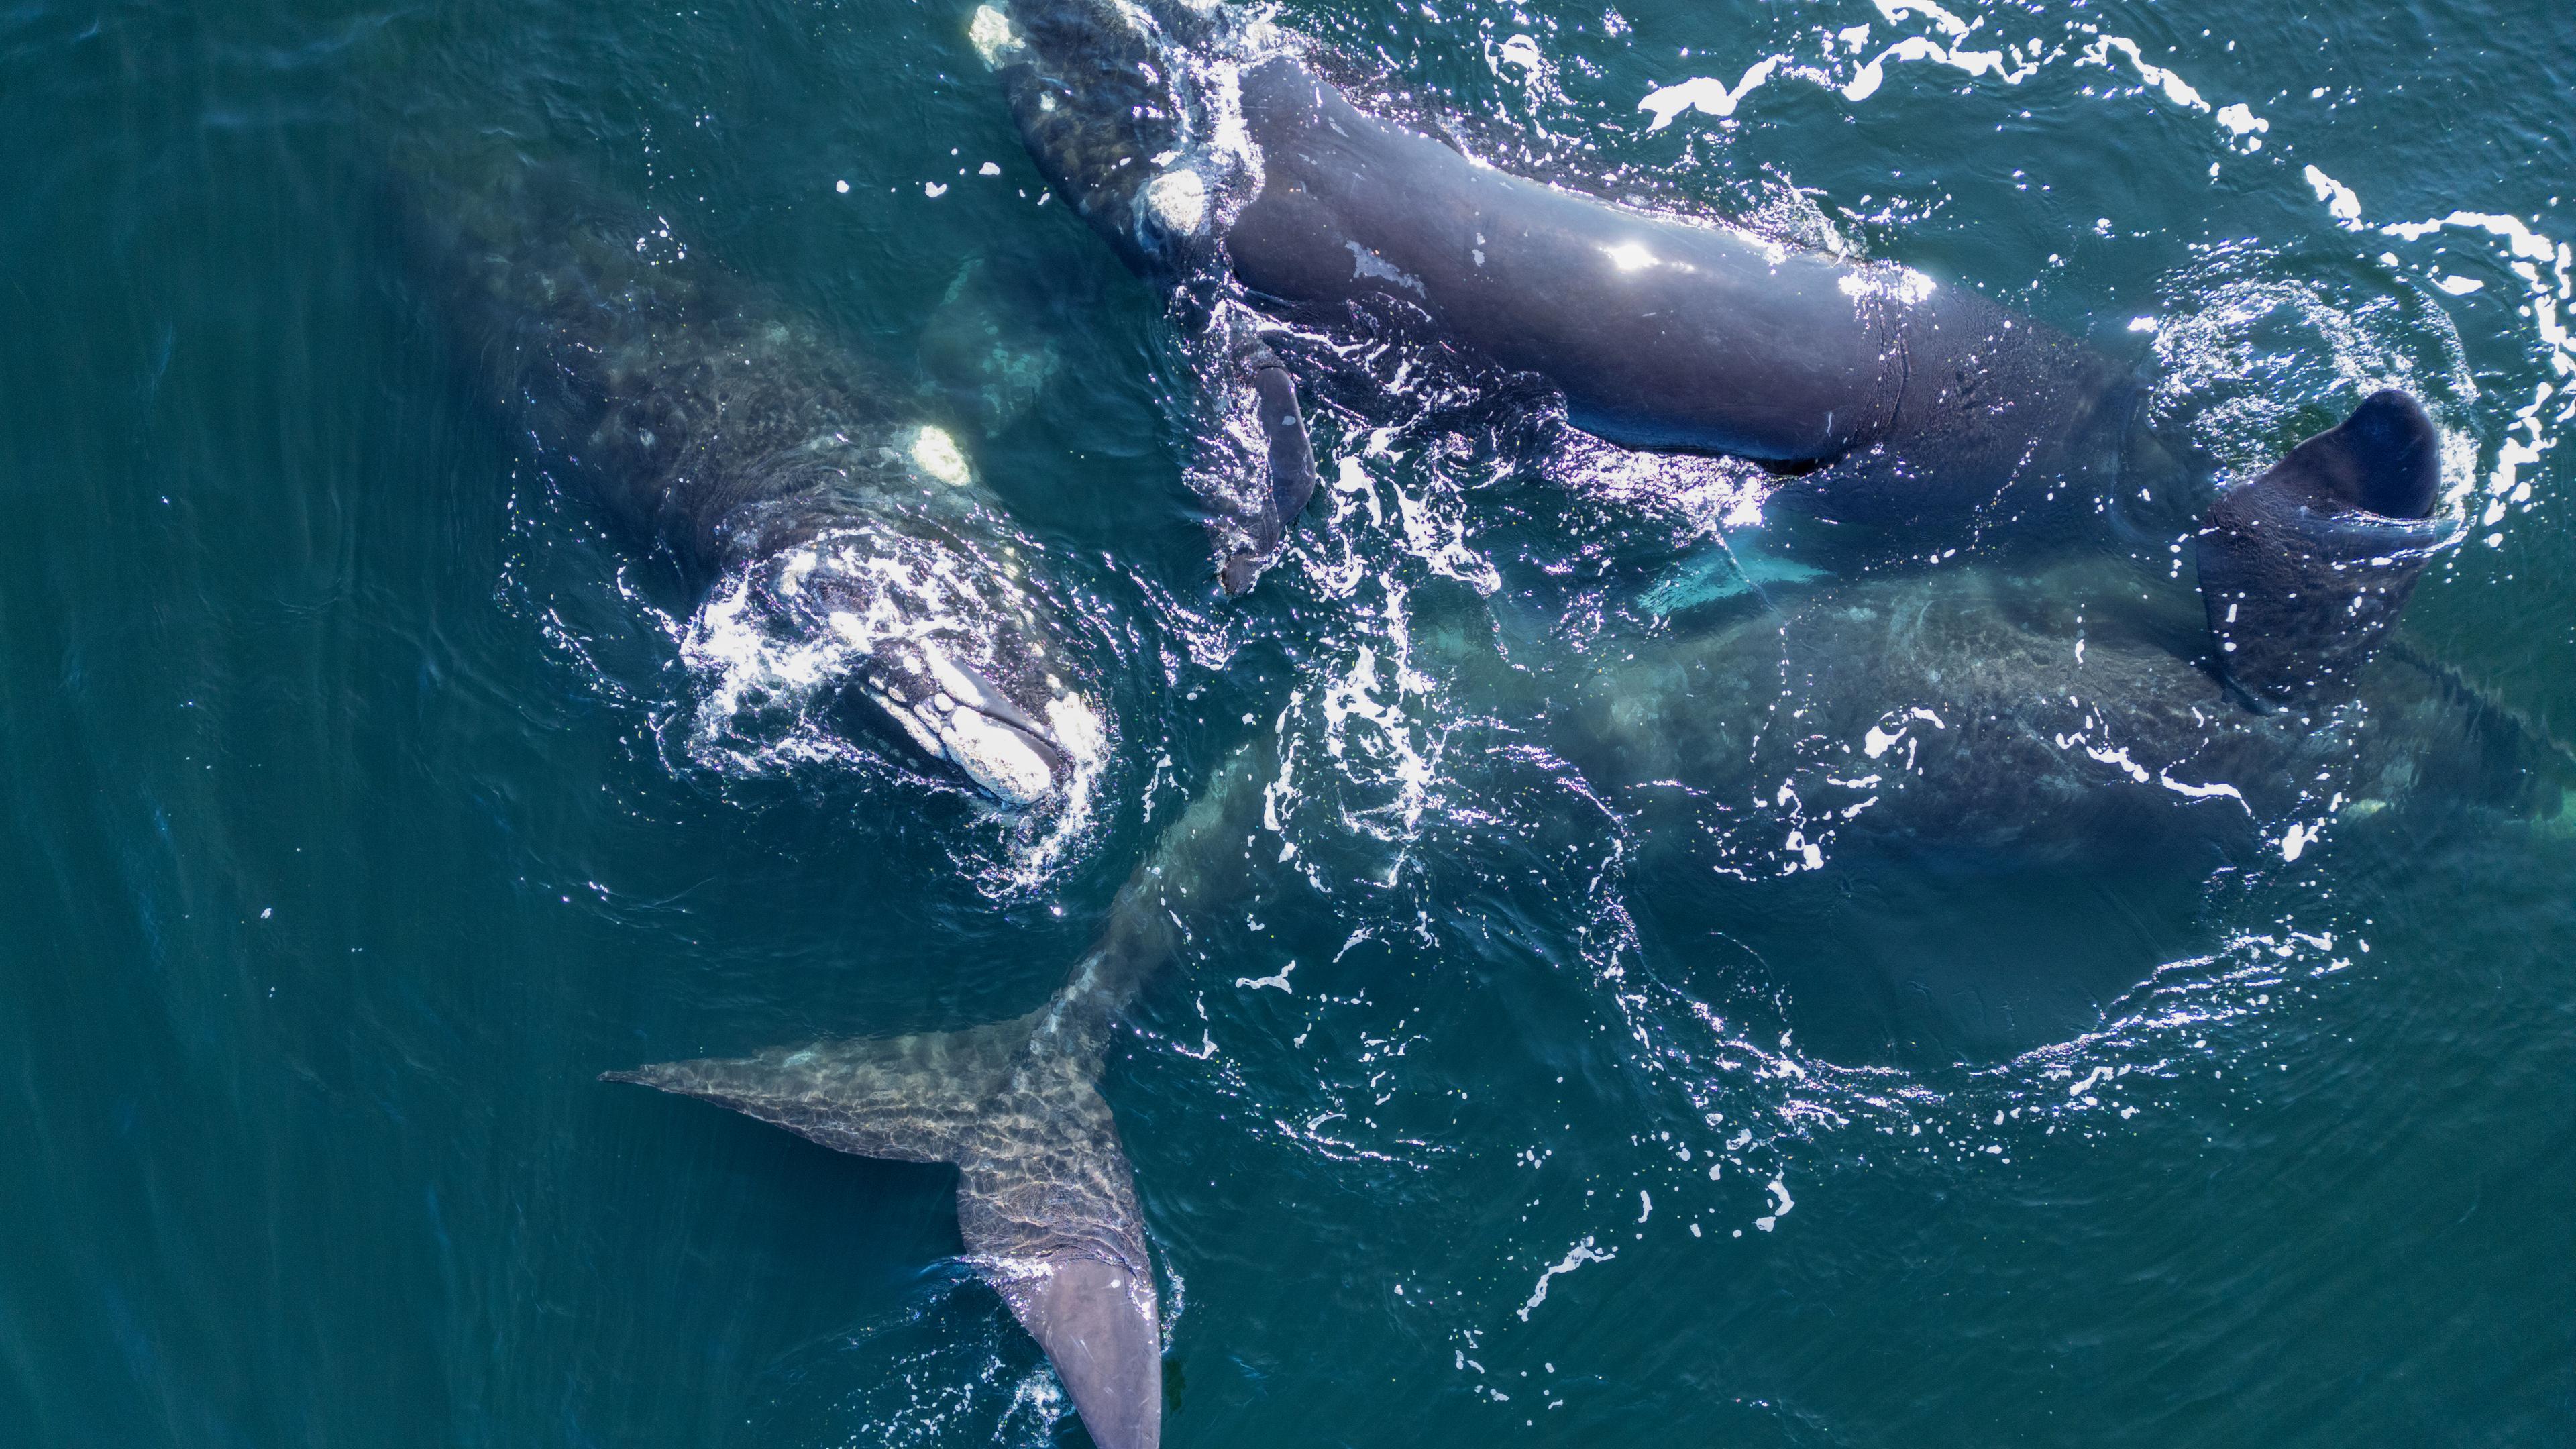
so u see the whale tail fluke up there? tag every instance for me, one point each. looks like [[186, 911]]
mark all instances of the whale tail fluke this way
[[1045, 1197], [2304, 569]]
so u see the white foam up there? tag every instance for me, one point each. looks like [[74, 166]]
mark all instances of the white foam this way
[[1705, 94], [1582, 1253], [1780, 1206], [1263, 983], [2341, 202], [2175, 88]]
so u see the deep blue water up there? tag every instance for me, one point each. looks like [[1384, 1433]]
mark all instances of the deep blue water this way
[[362, 805]]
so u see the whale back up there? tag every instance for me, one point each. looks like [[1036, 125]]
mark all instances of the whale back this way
[[2303, 570]]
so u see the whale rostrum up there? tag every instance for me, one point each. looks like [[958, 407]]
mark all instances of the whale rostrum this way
[[1045, 1197], [2305, 568], [807, 496]]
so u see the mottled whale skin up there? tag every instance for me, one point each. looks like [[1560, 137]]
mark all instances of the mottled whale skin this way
[[1046, 1199], [1220, 163], [779, 469], [1662, 334], [2025, 748], [2048, 716]]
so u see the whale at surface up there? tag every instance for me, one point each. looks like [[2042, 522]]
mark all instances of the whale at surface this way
[[1914, 415], [826, 519], [2040, 714], [2004, 740], [1046, 1200]]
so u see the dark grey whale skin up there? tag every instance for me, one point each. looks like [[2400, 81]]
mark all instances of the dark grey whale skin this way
[[707, 420], [1661, 334], [2304, 569], [2049, 715], [1918, 412]]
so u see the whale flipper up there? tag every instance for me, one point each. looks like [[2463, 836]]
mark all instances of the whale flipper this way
[[1045, 1198], [2303, 569], [1290, 458]]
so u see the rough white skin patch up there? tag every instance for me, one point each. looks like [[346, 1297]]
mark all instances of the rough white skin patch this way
[[937, 454], [993, 37], [1178, 200]]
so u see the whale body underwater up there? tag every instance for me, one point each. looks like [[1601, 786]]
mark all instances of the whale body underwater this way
[[804, 495], [727, 432], [2011, 746]]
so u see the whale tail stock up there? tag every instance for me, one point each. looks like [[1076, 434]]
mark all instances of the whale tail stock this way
[[2303, 570], [1045, 1198]]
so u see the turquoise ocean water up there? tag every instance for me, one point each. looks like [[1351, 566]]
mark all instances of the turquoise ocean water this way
[[363, 805]]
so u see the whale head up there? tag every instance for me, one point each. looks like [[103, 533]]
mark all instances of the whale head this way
[[2304, 569], [930, 631]]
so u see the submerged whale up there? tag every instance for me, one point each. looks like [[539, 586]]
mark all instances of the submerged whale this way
[[1218, 162], [2002, 739], [2046, 717], [1046, 1200], [802, 490]]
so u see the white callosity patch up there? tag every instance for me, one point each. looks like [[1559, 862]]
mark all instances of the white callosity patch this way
[[936, 453], [994, 38], [1177, 200], [904, 617]]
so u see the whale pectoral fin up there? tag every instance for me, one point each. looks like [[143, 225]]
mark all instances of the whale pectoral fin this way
[[1283, 427], [2303, 570], [1290, 462], [1045, 1198], [906, 1099]]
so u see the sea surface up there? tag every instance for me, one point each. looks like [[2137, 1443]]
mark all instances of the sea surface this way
[[365, 797]]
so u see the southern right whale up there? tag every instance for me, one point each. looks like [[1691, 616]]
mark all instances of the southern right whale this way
[[1046, 1200], [788, 477], [1217, 162], [2041, 749]]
